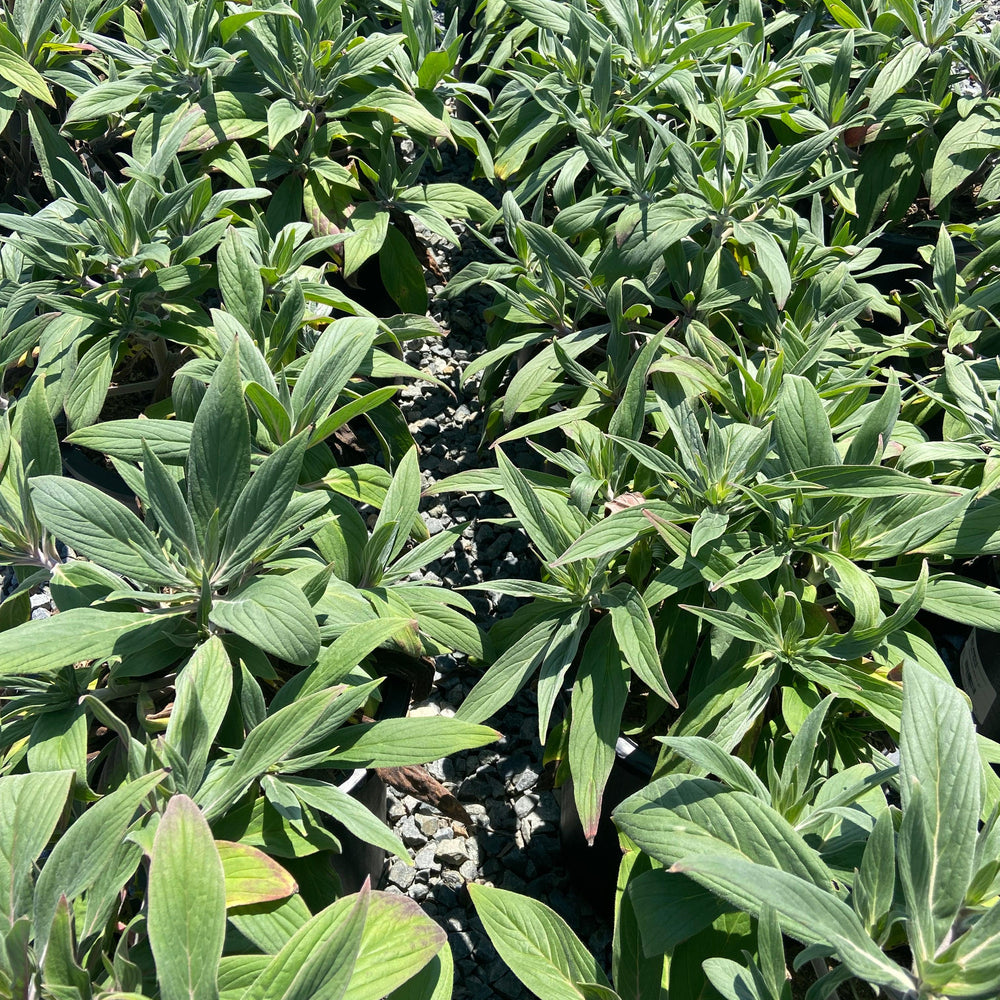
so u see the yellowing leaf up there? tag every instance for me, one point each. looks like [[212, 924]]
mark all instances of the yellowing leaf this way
[[251, 876]]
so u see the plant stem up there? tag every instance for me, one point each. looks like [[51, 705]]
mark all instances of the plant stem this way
[[133, 387], [820, 969]]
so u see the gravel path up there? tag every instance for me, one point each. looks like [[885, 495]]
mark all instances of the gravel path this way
[[513, 842]]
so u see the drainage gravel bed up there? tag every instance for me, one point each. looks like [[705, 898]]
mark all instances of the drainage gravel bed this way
[[513, 840]]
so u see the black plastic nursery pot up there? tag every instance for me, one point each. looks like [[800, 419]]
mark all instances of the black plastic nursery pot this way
[[979, 672], [359, 860], [593, 868]]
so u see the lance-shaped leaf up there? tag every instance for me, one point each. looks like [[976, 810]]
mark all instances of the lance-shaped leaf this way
[[397, 742], [167, 501], [940, 790], [399, 510], [61, 969], [262, 504], [633, 629], [102, 530], [36, 432], [239, 279], [560, 655], [203, 689], [187, 904], [537, 944], [273, 613], [875, 883], [18, 71], [335, 358], [597, 702], [805, 912], [46, 645], [85, 849], [218, 464], [252, 877], [170, 440], [541, 529], [801, 427], [319, 959], [678, 817], [398, 940], [30, 807]]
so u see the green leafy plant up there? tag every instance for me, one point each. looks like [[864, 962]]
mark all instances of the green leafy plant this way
[[828, 863], [743, 277], [143, 885], [941, 903]]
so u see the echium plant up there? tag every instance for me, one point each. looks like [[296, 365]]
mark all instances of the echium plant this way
[[213, 538], [898, 897], [138, 898], [229, 541], [584, 617], [926, 877]]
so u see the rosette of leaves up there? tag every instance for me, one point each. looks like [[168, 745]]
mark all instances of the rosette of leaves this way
[[137, 897], [173, 56], [204, 555], [725, 255], [957, 307], [585, 622], [328, 128], [222, 551], [600, 72], [860, 883], [815, 852], [910, 135], [111, 274], [266, 767], [194, 635], [789, 586], [223, 543], [762, 555], [302, 368], [295, 413], [376, 204], [432, 60], [375, 574], [331, 138]]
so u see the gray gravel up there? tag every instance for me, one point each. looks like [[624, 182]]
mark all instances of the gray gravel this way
[[513, 841]]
